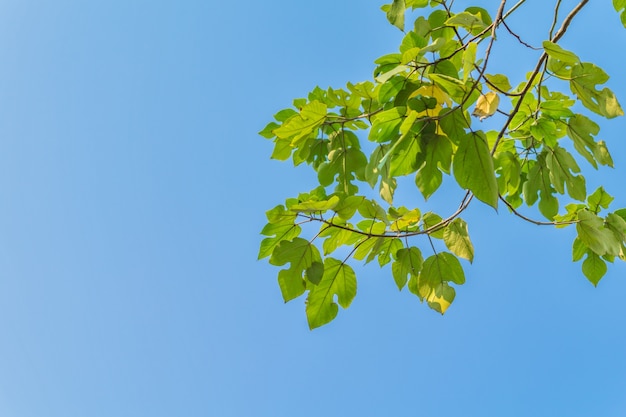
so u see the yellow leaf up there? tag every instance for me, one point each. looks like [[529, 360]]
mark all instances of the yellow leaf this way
[[486, 105]]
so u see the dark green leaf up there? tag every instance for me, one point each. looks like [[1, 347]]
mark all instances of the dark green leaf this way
[[474, 170]]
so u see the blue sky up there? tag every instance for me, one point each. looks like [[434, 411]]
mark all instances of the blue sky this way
[[133, 187]]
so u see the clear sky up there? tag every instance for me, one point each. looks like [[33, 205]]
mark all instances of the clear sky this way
[[133, 187]]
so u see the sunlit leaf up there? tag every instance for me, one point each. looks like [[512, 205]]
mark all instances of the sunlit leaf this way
[[456, 238], [395, 13], [339, 280], [555, 51], [486, 105], [591, 232], [408, 263]]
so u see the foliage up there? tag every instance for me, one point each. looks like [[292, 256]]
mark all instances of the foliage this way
[[414, 119]]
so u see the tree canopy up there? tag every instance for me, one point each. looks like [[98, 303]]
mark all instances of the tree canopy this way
[[432, 111]]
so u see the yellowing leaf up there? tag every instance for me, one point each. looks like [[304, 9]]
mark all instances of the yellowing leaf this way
[[486, 105]]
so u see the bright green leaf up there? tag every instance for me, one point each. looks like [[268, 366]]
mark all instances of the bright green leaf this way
[[456, 238], [555, 51], [408, 263], [338, 280], [591, 232]]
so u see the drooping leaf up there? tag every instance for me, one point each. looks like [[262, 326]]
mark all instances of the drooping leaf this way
[[486, 106], [581, 130], [408, 263], [563, 166], [594, 268], [395, 13], [432, 283], [469, 59], [539, 181], [456, 238], [443, 267], [339, 280], [473, 168], [437, 156], [591, 232]]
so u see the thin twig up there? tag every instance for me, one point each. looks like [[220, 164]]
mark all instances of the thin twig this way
[[537, 222]]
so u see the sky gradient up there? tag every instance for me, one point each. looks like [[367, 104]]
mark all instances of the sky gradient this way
[[133, 187]]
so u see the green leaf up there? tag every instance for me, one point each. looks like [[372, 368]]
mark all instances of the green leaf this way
[[469, 59], [395, 13], [279, 232], [453, 86], [338, 280], [555, 51], [474, 170], [441, 298], [408, 263], [470, 22], [315, 272], [617, 225], [336, 236], [594, 268], [509, 168], [591, 232], [389, 249], [443, 267], [370, 209], [370, 247], [481, 13], [432, 282], [386, 125], [581, 130], [585, 77], [579, 249], [344, 164], [291, 284], [315, 206], [561, 165], [407, 220], [457, 240], [311, 116], [430, 220], [498, 82], [599, 199], [539, 182], [544, 130], [346, 208]]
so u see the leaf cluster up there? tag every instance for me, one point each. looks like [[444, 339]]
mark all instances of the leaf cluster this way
[[420, 116]]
